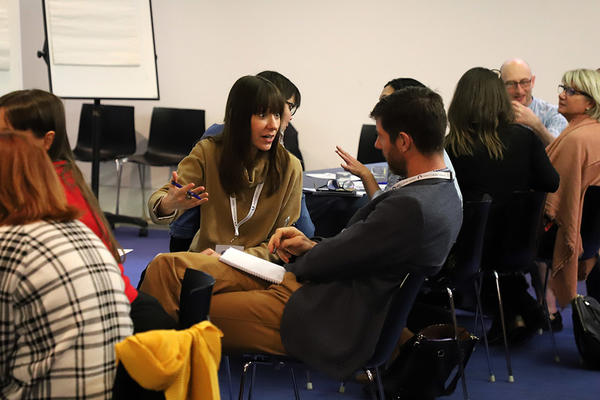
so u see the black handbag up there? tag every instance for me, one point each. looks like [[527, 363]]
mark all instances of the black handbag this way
[[426, 362], [586, 327]]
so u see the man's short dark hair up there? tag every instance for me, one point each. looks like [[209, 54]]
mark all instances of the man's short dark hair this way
[[401, 83], [417, 111]]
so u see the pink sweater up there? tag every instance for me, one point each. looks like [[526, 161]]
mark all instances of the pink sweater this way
[[575, 154]]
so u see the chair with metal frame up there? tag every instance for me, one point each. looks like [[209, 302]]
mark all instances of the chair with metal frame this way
[[117, 142], [590, 240], [173, 133], [511, 243], [367, 153], [462, 268]]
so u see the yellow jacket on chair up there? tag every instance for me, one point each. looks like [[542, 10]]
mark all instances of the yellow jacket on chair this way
[[183, 364]]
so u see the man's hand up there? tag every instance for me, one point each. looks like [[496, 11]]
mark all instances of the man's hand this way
[[351, 164], [289, 241], [524, 115], [178, 198], [210, 252], [357, 168]]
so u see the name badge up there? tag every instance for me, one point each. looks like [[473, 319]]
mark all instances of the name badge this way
[[220, 248]]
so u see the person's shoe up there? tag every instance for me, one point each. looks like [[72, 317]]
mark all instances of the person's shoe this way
[[555, 322], [516, 331]]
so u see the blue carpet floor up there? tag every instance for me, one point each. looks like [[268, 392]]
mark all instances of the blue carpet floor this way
[[537, 376]]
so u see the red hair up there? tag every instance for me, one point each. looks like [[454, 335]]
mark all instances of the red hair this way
[[30, 189]]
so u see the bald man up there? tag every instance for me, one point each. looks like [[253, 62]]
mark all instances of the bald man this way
[[536, 114]]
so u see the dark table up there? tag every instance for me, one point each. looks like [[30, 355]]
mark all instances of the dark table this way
[[330, 211]]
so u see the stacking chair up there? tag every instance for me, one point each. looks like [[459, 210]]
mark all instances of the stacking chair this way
[[367, 153], [194, 307], [462, 268], [590, 240], [395, 322], [173, 133], [117, 142], [511, 242]]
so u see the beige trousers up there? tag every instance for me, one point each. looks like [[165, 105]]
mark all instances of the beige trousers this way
[[247, 309]]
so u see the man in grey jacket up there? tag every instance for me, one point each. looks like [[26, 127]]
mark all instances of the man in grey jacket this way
[[330, 308]]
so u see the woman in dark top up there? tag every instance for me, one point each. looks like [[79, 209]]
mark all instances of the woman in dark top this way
[[492, 155]]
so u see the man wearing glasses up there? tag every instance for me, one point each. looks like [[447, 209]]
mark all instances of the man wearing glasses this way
[[536, 114]]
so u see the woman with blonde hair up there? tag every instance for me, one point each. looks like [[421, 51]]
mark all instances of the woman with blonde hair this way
[[62, 300], [576, 156]]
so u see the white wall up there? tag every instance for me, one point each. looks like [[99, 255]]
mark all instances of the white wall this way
[[339, 53]]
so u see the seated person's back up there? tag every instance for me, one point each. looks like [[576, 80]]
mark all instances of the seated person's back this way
[[61, 292]]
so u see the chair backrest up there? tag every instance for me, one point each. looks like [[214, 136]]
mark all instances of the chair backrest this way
[[513, 231], [590, 222], [465, 257], [117, 135], [395, 320], [367, 153], [173, 133], [194, 301]]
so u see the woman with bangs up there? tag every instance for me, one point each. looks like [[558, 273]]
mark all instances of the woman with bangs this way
[[246, 183], [62, 301]]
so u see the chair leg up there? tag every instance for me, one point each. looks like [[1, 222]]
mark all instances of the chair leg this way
[[243, 378], [547, 315], [372, 384], [141, 173], [380, 390], [228, 370], [252, 377], [461, 366], [119, 165], [511, 377], [479, 311], [296, 392], [309, 384]]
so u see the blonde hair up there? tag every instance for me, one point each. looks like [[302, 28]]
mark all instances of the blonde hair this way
[[30, 189], [587, 81]]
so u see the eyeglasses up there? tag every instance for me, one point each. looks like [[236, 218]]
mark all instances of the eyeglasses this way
[[569, 91], [292, 107], [524, 83]]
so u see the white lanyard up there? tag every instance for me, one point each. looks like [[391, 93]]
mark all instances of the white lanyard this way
[[233, 204], [425, 175]]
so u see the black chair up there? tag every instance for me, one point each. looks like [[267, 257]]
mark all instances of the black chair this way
[[117, 142], [462, 268], [367, 153], [511, 242], [194, 300], [395, 322], [590, 240], [194, 307], [173, 133]]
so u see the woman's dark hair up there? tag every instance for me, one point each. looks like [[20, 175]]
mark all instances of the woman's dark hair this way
[[479, 106], [250, 95], [285, 86], [40, 112]]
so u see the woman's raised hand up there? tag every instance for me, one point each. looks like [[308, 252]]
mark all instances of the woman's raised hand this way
[[182, 198]]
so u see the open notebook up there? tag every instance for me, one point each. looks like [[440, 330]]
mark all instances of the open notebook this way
[[253, 265]]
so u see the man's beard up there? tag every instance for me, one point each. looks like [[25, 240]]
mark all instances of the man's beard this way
[[398, 166]]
